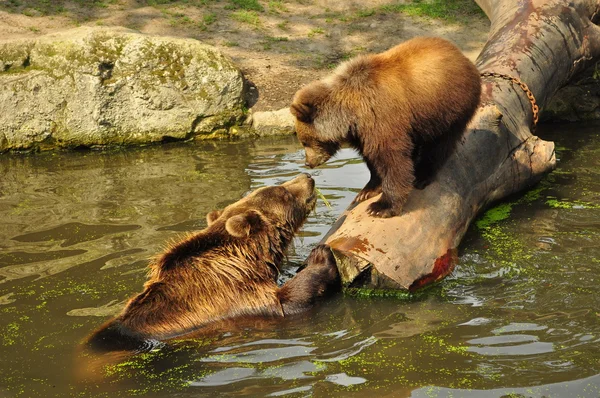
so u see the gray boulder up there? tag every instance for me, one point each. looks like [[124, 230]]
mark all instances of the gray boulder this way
[[93, 87]]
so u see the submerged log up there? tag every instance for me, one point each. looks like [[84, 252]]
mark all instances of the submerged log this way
[[541, 43]]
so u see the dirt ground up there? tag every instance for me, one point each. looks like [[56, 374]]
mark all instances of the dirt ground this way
[[279, 45]]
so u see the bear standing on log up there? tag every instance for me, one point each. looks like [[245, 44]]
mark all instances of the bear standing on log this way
[[404, 110]]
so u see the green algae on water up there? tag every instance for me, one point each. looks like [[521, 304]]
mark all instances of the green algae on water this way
[[398, 294], [566, 204], [502, 211], [494, 215]]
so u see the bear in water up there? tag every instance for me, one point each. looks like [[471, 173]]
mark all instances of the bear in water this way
[[227, 271]]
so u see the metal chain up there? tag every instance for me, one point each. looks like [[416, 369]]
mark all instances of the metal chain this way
[[534, 107]]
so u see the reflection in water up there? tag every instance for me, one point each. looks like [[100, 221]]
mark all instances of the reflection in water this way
[[518, 316]]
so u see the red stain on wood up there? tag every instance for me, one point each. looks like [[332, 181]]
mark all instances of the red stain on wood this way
[[443, 266]]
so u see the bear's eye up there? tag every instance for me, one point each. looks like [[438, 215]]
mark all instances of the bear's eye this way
[[304, 144]]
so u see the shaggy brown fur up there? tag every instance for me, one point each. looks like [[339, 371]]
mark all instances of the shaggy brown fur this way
[[225, 271], [404, 110]]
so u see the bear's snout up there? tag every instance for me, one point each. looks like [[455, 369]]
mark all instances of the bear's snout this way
[[302, 177], [302, 187], [315, 157], [314, 162]]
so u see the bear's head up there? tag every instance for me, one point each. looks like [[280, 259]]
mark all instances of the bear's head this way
[[272, 212], [320, 123]]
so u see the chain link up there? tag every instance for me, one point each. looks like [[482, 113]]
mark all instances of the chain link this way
[[534, 107]]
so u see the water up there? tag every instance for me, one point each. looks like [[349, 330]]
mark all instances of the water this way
[[520, 315]]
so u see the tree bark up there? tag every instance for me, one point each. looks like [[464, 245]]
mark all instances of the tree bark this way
[[542, 43]]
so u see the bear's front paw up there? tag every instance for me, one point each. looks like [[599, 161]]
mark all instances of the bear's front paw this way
[[381, 210], [367, 193], [321, 255]]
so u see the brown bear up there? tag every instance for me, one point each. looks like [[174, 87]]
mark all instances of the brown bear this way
[[226, 271], [404, 110]]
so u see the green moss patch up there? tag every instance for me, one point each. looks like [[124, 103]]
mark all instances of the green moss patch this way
[[449, 10]]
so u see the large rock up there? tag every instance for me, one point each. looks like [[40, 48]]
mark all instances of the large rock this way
[[92, 87]]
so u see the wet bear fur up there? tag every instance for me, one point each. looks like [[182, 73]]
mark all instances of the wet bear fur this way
[[404, 110], [226, 271]]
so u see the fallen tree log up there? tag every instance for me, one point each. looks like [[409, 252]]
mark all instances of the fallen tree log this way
[[540, 43]]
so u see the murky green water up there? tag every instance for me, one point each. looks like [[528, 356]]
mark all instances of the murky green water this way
[[520, 315]]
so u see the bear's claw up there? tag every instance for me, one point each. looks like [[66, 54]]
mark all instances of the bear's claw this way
[[367, 193], [381, 210]]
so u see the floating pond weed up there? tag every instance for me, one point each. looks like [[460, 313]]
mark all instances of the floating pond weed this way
[[323, 198]]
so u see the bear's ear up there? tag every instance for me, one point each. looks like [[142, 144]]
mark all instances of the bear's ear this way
[[307, 100], [242, 225], [304, 112], [213, 215]]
